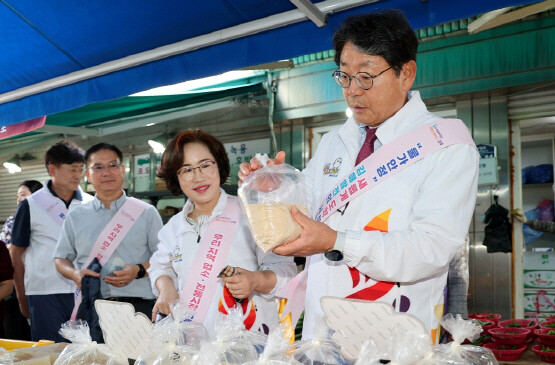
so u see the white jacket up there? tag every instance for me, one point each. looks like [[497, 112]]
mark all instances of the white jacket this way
[[177, 248], [401, 234]]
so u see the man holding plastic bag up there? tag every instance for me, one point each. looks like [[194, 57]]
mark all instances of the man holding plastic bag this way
[[387, 223]]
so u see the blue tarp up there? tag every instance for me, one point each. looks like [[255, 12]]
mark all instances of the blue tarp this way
[[41, 40]]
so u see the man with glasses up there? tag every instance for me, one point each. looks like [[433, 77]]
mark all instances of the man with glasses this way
[[45, 296], [385, 229], [123, 273]]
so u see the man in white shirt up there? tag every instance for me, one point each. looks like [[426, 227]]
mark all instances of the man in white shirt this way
[[393, 242], [45, 296]]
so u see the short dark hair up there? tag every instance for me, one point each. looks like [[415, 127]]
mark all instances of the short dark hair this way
[[172, 159], [387, 34], [63, 152], [103, 146], [32, 185]]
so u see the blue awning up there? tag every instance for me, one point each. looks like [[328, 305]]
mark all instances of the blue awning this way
[[58, 55]]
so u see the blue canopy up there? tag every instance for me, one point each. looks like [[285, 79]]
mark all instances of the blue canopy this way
[[57, 55]]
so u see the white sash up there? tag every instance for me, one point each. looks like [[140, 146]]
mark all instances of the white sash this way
[[111, 236], [202, 280], [53, 206]]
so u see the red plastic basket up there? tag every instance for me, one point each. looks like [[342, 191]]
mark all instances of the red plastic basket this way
[[545, 356], [503, 354], [518, 323], [485, 317], [544, 338], [548, 324], [509, 336]]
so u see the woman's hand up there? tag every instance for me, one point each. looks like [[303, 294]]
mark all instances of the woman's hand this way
[[167, 297], [245, 168], [123, 277], [243, 284]]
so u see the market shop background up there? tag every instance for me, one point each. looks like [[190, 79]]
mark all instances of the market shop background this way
[[490, 80]]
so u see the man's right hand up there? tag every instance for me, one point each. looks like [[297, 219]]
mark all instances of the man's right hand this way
[[80, 274], [246, 168]]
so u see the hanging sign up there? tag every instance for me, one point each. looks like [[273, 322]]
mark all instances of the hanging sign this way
[[239, 152], [489, 170], [20, 128]]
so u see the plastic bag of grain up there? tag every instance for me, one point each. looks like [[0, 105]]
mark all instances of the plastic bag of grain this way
[[267, 196]]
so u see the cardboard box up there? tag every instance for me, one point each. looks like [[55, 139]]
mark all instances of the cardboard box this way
[[540, 317], [539, 279], [534, 302], [539, 261]]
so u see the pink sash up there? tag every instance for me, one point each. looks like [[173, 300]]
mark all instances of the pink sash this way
[[391, 158], [53, 206], [210, 259], [375, 169], [110, 238]]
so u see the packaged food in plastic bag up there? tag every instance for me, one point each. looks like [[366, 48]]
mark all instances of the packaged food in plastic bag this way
[[6, 357], [403, 348], [84, 351], [175, 338], [233, 344], [267, 196], [275, 351], [169, 354], [320, 350], [47, 352], [454, 353]]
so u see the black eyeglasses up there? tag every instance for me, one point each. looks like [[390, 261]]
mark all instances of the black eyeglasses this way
[[362, 79], [187, 173]]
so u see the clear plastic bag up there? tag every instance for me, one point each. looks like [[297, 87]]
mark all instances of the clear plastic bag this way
[[454, 353], [48, 352], [320, 350], [6, 357], [84, 351], [176, 339], [402, 349], [267, 196], [233, 343], [275, 351]]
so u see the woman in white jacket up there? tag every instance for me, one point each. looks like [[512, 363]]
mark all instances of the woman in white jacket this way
[[196, 164]]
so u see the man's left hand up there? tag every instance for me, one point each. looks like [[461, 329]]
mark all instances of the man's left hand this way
[[315, 238], [123, 277]]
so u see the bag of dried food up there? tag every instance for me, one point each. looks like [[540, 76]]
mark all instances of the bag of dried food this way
[[454, 353], [267, 196], [232, 344], [83, 350], [276, 349], [320, 350], [175, 339]]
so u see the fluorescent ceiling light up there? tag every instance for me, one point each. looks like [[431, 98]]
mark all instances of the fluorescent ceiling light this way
[[12, 165], [197, 84], [157, 147]]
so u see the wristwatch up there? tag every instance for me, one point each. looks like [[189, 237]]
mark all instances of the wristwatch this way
[[334, 255], [142, 271]]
